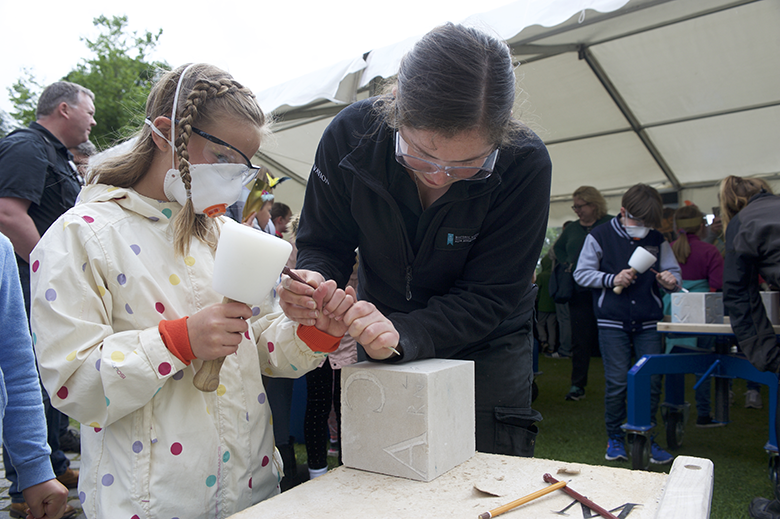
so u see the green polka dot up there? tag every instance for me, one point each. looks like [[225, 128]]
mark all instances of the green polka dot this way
[[167, 212], [225, 457], [211, 481], [108, 402], [35, 339], [293, 367]]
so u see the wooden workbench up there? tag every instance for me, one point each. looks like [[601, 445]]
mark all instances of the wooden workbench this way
[[348, 493]]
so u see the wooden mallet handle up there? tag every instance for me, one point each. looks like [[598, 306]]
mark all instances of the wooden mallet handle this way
[[207, 377], [618, 289], [582, 499]]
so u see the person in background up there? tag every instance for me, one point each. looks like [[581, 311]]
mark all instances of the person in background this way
[[81, 155], [23, 424], [37, 185], [591, 210], [667, 225], [546, 324], [627, 320], [702, 271], [749, 211], [562, 315], [447, 197], [280, 218]]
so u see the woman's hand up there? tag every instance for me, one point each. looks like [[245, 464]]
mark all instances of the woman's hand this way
[[624, 278], [296, 298], [217, 330], [371, 329], [667, 280]]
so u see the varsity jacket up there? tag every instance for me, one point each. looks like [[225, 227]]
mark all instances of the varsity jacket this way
[[604, 254], [468, 266]]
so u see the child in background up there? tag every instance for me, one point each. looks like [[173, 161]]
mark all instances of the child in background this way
[[124, 314], [546, 323], [628, 319]]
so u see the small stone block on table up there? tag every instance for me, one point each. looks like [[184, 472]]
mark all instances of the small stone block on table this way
[[413, 420], [697, 307]]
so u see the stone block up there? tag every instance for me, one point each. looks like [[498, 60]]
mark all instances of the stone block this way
[[697, 307], [772, 304], [413, 420]]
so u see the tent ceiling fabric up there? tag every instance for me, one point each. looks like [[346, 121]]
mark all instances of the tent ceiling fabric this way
[[674, 93]]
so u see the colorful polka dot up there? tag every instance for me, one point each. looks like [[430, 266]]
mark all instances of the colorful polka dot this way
[[128, 309], [84, 267], [270, 347], [35, 266], [51, 294], [94, 424], [121, 279], [265, 461], [135, 517], [176, 448], [226, 457], [246, 334], [88, 219], [174, 279], [108, 402], [102, 291], [167, 212], [261, 398], [255, 311], [82, 497], [117, 356], [34, 339], [136, 249], [250, 482], [221, 390], [159, 307], [71, 356], [178, 375], [138, 447], [65, 224], [189, 261], [294, 367], [62, 394], [97, 429], [97, 365], [247, 417], [107, 480], [164, 368], [154, 219], [211, 481]]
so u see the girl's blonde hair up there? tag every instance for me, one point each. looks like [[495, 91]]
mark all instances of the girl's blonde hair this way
[[736, 192], [207, 96], [688, 219]]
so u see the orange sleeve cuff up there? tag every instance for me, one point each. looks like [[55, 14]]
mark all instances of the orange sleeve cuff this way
[[176, 338], [318, 340]]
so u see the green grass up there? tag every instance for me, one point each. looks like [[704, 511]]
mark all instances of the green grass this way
[[575, 432]]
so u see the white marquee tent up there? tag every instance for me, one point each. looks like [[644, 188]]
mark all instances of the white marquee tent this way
[[674, 93]]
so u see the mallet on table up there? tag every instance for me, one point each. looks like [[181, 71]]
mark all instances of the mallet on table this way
[[640, 261], [246, 266]]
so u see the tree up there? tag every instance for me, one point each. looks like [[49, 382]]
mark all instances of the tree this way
[[118, 74]]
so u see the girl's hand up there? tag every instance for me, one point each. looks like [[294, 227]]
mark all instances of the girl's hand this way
[[332, 304], [667, 280], [371, 329], [217, 330], [296, 298], [624, 278], [249, 220]]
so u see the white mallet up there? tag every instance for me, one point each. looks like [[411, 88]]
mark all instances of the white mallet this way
[[640, 261]]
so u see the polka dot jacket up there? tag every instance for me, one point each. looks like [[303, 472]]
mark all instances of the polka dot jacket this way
[[102, 278]]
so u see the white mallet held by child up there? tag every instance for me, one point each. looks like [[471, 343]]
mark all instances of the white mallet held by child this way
[[640, 261]]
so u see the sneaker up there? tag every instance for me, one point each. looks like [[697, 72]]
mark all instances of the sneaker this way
[[558, 355], [753, 399], [707, 422], [658, 455], [575, 393], [19, 510], [70, 442], [616, 450], [761, 508], [69, 478]]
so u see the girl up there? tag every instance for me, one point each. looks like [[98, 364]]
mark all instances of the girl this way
[[124, 314]]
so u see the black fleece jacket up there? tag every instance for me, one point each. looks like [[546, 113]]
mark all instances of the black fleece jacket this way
[[468, 267], [753, 248]]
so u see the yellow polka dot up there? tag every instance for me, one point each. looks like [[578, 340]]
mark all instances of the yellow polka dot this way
[[94, 424], [112, 188], [71, 356], [102, 291], [207, 410], [189, 260], [117, 356], [64, 224], [174, 279], [269, 372], [221, 390]]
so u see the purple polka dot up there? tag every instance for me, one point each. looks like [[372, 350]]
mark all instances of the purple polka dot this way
[[62, 394], [84, 267], [35, 265], [121, 279], [128, 309], [255, 311], [270, 347], [154, 219], [107, 480], [178, 375], [136, 249], [97, 365], [138, 447], [164, 368], [51, 294], [159, 307], [261, 398], [176, 449], [82, 497], [88, 219], [247, 417]]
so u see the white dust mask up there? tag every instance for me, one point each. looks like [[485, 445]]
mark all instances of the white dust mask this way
[[637, 231]]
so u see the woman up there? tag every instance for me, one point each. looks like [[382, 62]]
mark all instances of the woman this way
[[447, 197], [591, 210], [749, 211]]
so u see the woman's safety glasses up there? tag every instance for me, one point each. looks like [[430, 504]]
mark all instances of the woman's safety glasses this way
[[481, 169]]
